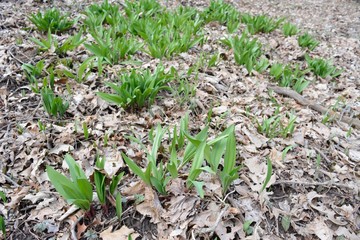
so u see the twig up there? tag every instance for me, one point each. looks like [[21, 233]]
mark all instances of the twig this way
[[327, 183], [322, 155], [12, 55], [9, 179], [213, 227], [73, 233], [314, 106]]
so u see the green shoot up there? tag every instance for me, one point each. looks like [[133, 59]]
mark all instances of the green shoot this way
[[99, 179], [118, 205], [54, 106], [268, 174]]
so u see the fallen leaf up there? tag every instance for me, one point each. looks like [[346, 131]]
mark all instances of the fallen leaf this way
[[122, 234]]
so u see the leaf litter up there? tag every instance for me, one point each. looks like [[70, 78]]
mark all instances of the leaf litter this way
[[313, 190]]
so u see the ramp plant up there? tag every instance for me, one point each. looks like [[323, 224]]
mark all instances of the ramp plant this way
[[52, 20], [289, 29], [246, 51], [307, 41], [139, 88], [54, 106], [260, 23], [322, 68], [197, 152], [76, 190]]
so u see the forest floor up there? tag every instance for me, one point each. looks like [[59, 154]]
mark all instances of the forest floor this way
[[312, 191]]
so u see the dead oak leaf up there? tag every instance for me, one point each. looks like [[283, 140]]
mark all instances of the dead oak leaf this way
[[122, 234], [151, 206]]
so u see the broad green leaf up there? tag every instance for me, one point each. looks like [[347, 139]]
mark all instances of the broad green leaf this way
[[81, 203], [75, 170], [59, 180], [135, 169], [113, 98]]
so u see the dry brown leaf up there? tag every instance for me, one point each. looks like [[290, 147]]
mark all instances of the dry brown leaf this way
[[320, 229], [122, 234], [151, 206]]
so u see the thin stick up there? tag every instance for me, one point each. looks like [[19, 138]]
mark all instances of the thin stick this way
[[314, 106], [322, 154], [212, 229], [73, 232], [9, 180], [327, 183]]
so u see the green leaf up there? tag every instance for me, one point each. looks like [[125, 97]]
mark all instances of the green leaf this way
[[83, 67], [135, 169], [59, 180], [2, 225], [113, 98], [3, 197], [81, 203], [99, 179], [197, 162], [285, 222], [115, 181], [268, 174], [199, 188], [118, 205], [75, 171], [230, 153]]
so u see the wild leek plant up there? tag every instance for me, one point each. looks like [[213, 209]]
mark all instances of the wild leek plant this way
[[268, 174], [224, 13], [322, 68], [155, 173], [260, 23], [47, 43], [105, 13], [277, 125], [307, 41], [107, 46], [139, 88], [101, 181], [246, 51], [199, 153], [54, 106], [51, 20], [142, 8], [33, 72], [70, 44], [170, 33], [288, 76], [289, 29], [77, 190]]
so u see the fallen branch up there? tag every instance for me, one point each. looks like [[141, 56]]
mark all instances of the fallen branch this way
[[313, 184], [314, 106]]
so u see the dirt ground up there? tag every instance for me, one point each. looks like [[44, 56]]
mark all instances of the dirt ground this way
[[314, 188]]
